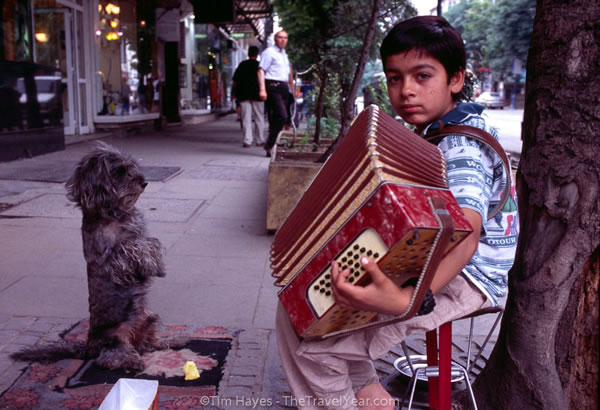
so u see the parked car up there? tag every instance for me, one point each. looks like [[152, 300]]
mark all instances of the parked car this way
[[491, 99], [49, 95]]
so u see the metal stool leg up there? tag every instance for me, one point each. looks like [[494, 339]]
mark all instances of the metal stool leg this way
[[440, 371], [470, 364], [412, 371]]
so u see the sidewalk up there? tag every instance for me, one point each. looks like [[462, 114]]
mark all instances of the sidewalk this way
[[210, 216]]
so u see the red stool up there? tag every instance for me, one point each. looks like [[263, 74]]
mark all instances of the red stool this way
[[440, 370]]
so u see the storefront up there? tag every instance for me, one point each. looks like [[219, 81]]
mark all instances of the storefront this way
[[122, 61]]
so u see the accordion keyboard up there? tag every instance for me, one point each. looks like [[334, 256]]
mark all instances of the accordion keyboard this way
[[368, 243]]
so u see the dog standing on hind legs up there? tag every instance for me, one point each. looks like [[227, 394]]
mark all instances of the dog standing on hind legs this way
[[121, 262]]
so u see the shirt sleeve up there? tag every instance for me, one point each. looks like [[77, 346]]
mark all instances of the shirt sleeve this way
[[265, 60], [470, 173]]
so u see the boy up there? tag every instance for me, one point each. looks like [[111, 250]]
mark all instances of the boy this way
[[424, 63]]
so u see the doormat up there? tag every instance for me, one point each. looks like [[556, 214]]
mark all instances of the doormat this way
[[77, 384], [61, 172]]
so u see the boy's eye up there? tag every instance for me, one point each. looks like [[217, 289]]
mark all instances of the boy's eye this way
[[393, 79], [423, 76]]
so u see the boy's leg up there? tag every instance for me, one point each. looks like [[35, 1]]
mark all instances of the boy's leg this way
[[457, 299], [337, 368], [328, 381], [246, 117]]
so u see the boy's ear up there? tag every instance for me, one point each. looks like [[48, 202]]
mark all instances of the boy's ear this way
[[457, 81]]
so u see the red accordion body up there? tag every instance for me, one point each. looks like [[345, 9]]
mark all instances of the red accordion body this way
[[382, 194]]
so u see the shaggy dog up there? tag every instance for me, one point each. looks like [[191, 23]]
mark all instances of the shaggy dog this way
[[121, 262]]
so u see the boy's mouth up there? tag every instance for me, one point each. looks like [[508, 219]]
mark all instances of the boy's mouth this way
[[409, 108]]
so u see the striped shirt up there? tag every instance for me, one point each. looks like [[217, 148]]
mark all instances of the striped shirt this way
[[477, 179]]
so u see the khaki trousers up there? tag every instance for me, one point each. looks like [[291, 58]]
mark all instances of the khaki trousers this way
[[252, 115], [326, 374]]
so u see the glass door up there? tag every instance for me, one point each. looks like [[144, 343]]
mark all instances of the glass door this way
[[58, 43]]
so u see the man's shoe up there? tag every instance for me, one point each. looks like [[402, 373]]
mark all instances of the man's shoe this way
[[268, 153], [260, 144], [245, 145]]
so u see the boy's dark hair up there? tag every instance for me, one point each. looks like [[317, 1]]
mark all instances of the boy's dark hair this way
[[431, 35], [252, 51]]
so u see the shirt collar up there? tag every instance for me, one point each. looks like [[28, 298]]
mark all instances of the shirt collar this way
[[278, 49], [458, 115]]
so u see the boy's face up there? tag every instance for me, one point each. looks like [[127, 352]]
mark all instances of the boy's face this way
[[418, 87]]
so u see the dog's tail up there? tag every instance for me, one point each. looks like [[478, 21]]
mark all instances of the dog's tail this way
[[52, 352]]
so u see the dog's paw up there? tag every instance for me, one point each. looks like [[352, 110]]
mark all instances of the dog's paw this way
[[133, 364]]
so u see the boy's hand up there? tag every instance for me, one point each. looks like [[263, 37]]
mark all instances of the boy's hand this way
[[381, 295]]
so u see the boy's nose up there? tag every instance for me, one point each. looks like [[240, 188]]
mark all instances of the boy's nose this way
[[408, 88]]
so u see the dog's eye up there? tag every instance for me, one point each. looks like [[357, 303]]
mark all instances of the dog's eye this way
[[121, 171]]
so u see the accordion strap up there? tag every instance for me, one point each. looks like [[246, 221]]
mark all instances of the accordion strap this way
[[436, 136]]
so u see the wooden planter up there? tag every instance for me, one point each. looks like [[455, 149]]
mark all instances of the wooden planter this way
[[290, 173]]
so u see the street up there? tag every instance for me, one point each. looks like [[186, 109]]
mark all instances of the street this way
[[508, 125]]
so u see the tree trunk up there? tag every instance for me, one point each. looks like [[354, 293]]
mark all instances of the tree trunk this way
[[546, 356], [322, 72], [348, 102]]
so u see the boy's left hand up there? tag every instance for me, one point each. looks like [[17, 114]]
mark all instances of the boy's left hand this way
[[381, 295]]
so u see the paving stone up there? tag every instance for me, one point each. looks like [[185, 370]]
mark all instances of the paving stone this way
[[5, 362], [28, 340], [19, 323], [244, 371], [3, 319], [40, 327], [250, 353], [251, 336], [11, 348], [7, 336], [51, 337], [236, 391]]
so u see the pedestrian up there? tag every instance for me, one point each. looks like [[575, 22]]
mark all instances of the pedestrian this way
[[424, 64], [252, 108], [275, 81], [142, 95], [125, 94], [156, 94]]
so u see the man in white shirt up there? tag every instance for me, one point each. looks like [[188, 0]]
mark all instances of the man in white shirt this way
[[275, 80]]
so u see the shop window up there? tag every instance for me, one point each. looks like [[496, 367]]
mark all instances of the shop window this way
[[124, 57]]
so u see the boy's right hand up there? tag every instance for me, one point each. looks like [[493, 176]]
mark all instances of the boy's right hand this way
[[381, 295]]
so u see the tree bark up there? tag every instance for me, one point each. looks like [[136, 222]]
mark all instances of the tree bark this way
[[546, 356]]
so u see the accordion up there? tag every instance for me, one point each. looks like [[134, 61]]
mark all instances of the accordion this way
[[383, 194]]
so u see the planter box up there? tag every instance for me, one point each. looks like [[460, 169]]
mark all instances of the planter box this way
[[287, 180], [290, 172]]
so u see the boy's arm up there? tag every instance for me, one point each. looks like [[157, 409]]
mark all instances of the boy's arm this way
[[383, 296]]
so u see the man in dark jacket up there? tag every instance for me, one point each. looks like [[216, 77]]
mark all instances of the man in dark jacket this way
[[245, 88]]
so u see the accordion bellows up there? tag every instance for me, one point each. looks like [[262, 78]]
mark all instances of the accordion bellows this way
[[383, 193]]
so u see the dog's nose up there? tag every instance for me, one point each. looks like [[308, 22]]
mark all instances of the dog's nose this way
[[144, 184]]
